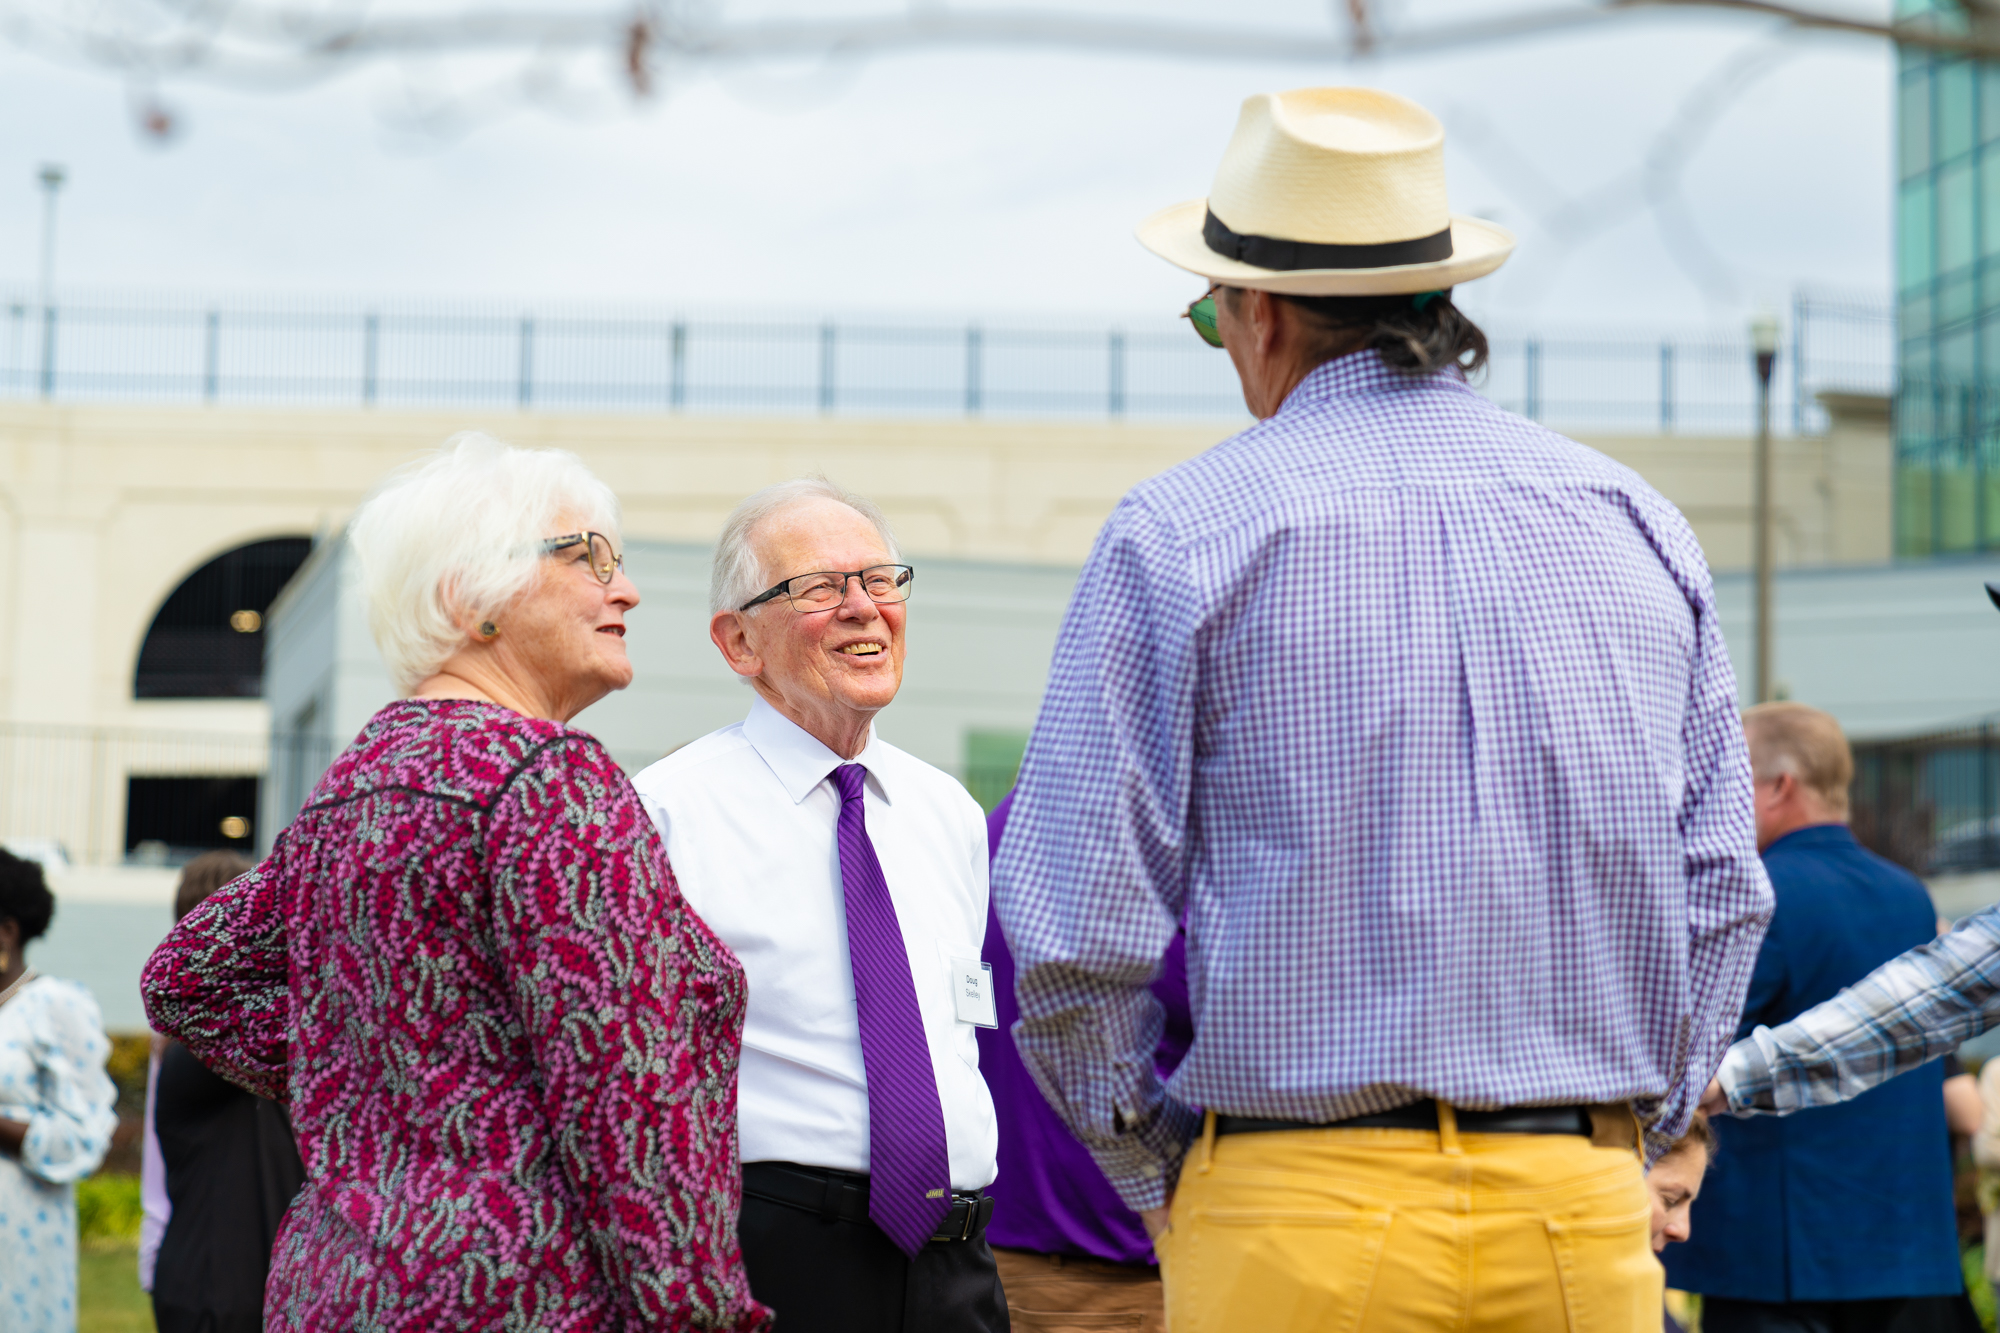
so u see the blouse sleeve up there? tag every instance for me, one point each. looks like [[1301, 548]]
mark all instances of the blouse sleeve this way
[[220, 983], [69, 1130], [634, 1014], [154, 1206]]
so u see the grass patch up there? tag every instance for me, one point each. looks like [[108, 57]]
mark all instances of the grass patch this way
[[108, 1208], [108, 1297], [1973, 1261]]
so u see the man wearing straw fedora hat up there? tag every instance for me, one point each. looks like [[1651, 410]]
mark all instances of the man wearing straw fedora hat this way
[[1420, 714]]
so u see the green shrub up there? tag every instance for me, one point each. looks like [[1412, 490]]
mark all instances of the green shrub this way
[[130, 1052], [108, 1208], [1973, 1259]]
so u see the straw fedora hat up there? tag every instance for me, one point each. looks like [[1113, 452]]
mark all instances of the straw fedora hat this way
[[1329, 192]]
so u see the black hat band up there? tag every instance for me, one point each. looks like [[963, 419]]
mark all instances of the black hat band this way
[[1272, 253]]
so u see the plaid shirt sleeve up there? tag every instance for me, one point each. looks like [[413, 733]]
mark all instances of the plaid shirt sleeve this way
[[1089, 917], [1908, 1011]]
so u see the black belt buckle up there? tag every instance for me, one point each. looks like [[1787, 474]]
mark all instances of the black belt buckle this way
[[977, 1211]]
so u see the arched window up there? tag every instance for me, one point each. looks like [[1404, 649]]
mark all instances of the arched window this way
[[207, 639]]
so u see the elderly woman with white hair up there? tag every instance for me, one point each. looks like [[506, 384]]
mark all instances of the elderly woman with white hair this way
[[508, 1045]]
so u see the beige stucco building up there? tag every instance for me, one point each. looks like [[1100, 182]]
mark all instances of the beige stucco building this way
[[105, 510]]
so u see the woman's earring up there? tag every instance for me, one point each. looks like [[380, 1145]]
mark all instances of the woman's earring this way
[[488, 629]]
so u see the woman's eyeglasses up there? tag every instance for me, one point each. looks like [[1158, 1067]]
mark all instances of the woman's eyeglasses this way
[[604, 563], [1201, 314]]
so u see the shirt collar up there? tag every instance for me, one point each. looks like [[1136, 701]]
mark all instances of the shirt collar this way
[[1359, 373], [801, 760], [1814, 835]]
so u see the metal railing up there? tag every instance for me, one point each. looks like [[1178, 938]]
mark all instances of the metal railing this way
[[116, 348], [1931, 803]]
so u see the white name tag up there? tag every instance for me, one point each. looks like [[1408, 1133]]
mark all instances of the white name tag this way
[[972, 991]]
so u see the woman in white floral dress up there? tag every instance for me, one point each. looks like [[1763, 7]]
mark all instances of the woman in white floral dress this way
[[56, 1113]]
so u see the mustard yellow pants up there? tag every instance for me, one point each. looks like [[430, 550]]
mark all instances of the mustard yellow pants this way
[[1407, 1231]]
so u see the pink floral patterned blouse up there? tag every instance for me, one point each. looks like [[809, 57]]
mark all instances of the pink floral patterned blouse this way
[[508, 1045]]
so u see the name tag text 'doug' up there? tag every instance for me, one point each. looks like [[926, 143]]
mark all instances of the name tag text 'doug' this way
[[972, 992]]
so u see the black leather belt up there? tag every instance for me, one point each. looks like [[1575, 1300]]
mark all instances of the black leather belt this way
[[1423, 1115], [842, 1196]]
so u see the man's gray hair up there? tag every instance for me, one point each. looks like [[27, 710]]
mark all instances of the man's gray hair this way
[[457, 535], [739, 574]]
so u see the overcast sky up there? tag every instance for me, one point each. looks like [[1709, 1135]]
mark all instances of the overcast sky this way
[[990, 183]]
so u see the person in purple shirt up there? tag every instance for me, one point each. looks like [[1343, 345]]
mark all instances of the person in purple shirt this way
[[1068, 1247]]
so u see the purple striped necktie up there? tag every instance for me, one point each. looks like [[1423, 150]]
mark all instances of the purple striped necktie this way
[[909, 1167]]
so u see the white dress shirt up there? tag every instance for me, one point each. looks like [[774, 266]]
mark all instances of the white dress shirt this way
[[748, 815]]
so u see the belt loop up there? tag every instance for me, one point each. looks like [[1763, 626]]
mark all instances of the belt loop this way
[[830, 1200], [1616, 1125], [1207, 1142], [1447, 1130]]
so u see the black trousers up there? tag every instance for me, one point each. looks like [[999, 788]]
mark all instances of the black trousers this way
[[847, 1277], [177, 1319], [1895, 1314]]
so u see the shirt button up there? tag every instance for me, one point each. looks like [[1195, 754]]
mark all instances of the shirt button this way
[[1151, 1173]]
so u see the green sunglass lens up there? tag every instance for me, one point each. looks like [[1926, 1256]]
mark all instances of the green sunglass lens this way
[[1202, 315]]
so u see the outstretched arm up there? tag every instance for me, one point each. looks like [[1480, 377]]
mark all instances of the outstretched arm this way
[[1911, 1010]]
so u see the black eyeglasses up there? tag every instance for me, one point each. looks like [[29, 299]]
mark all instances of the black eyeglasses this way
[[603, 562], [826, 589]]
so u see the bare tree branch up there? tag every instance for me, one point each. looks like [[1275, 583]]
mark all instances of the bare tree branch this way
[[286, 45], [1903, 34]]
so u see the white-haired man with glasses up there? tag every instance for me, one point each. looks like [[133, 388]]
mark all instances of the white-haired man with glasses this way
[[850, 879]]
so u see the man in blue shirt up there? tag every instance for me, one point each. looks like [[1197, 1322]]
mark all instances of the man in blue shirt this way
[[1775, 1244]]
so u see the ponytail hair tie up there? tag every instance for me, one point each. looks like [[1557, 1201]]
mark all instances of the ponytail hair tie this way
[[1422, 299]]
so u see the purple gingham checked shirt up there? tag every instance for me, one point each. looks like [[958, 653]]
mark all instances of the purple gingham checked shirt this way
[[1423, 713]]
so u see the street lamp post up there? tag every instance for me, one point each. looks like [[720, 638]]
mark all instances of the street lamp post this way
[[1764, 342], [52, 177]]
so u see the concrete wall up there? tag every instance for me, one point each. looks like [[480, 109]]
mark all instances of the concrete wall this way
[[104, 510], [1832, 494], [1890, 650]]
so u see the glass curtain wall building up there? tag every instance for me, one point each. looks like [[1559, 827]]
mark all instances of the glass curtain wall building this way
[[1948, 286]]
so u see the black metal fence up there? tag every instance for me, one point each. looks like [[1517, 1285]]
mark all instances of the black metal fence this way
[[1931, 803], [121, 349]]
